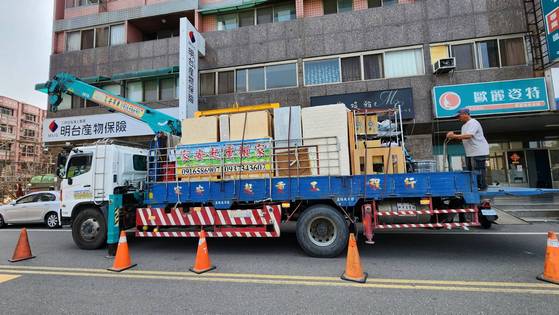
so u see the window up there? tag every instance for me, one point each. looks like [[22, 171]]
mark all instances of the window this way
[[28, 133], [167, 89], [256, 79], [77, 102], [78, 165], [279, 76], [6, 111], [45, 197], [226, 22], [337, 6], [403, 63], [112, 88], [488, 53], [351, 69], [241, 81], [134, 91], [226, 82], [512, 52], [66, 102], [246, 18], [26, 199], [322, 71], [374, 3], [438, 53], [139, 162], [285, 12], [372, 66], [117, 35], [207, 84], [70, 3], [464, 55], [389, 2], [264, 15], [28, 150], [6, 128], [87, 39], [102, 36], [30, 117], [73, 41], [150, 90]]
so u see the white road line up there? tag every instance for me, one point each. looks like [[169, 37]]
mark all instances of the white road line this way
[[465, 233]]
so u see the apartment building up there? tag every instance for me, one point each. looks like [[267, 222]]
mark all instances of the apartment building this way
[[364, 53]]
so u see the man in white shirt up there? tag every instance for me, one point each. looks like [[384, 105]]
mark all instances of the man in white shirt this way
[[475, 145]]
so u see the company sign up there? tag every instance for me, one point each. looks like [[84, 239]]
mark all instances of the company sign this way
[[491, 98], [97, 127], [550, 10], [372, 100], [191, 42]]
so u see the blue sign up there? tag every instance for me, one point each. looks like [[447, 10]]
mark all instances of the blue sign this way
[[491, 98], [550, 10]]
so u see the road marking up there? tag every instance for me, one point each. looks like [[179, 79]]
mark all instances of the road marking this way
[[464, 233], [4, 278], [439, 285], [338, 283]]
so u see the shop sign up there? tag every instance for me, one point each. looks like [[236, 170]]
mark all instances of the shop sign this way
[[550, 10], [191, 43], [228, 158], [372, 100], [97, 127], [491, 98]]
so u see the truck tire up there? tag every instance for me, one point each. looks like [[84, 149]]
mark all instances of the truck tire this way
[[89, 229], [322, 231], [484, 223]]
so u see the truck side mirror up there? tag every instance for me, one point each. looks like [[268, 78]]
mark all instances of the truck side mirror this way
[[70, 181]]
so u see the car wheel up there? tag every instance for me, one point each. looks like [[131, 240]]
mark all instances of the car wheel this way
[[322, 231], [2, 222], [89, 229], [51, 220]]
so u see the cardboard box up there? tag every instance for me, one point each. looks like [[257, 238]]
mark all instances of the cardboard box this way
[[292, 162], [258, 125], [379, 160], [368, 128], [200, 130]]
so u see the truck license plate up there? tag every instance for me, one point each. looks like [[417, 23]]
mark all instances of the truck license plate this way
[[487, 212]]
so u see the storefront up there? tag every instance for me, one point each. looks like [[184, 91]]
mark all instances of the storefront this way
[[521, 131]]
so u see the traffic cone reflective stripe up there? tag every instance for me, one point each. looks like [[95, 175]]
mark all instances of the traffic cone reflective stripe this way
[[202, 263], [353, 270], [22, 250], [551, 264], [122, 258]]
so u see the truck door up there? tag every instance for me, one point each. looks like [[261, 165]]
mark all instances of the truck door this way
[[77, 184]]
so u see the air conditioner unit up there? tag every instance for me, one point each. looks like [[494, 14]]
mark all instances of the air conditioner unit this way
[[444, 65]]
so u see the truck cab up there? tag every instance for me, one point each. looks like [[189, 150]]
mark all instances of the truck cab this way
[[91, 174]]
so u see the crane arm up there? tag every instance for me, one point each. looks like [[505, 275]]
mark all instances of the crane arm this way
[[65, 83]]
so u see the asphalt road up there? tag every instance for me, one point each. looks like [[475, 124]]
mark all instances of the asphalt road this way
[[463, 272]]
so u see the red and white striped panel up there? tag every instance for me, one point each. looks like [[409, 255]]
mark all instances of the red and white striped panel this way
[[207, 216], [411, 212], [426, 225], [239, 233]]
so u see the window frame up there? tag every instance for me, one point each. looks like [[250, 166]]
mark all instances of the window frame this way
[[94, 29]]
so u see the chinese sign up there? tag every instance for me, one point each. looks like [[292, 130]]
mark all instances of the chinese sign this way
[[128, 108], [490, 98], [191, 42], [372, 100], [96, 127], [229, 158], [550, 10]]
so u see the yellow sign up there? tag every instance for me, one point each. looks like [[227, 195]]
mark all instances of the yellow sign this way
[[120, 105]]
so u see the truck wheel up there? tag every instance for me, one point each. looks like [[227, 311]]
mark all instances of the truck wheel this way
[[322, 231], [485, 224], [51, 220], [89, 229]]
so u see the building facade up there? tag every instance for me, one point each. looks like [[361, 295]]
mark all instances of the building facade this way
[[21, 148], [310, 52]]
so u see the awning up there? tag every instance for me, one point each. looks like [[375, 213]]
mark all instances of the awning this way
[[232, 6], [121, 76]]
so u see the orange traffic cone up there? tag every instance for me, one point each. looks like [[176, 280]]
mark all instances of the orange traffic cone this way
[[353, 270], [203, 262], [122, 258], [22, 250], [551, 264]]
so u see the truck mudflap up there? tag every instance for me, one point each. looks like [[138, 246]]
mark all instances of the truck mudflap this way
[[259, 222]]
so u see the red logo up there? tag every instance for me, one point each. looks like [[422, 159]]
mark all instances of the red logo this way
[[191, 36], [552, 19], [53, 126], [450, 100]]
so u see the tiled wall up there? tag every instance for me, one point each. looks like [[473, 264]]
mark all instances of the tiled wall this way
[[313, 8]]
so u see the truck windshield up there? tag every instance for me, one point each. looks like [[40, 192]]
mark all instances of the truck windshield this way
[[79, 164]]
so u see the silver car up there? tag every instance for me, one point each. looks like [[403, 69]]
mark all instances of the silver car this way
[[37, 207]]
